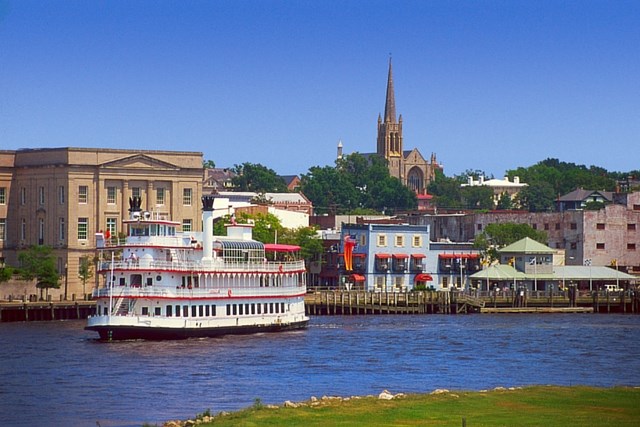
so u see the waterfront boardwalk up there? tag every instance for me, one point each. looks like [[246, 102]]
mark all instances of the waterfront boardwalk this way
[[331, 302], [342, 302], [536, 310], [25, 311]]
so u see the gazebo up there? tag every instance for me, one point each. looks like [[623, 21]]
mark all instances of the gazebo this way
[[528, 264]]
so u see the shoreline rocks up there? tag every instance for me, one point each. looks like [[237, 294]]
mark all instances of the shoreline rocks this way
[[324, 400]]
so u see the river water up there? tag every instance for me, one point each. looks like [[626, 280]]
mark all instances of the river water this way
[[57, 374]]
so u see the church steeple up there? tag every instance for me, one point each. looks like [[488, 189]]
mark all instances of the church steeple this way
[[390, 130], [390, 104]]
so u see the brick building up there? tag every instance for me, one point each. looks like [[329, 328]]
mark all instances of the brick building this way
[[609, 236], [61, 197]]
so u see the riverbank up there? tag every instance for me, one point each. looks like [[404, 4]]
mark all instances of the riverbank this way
[[528, 406]]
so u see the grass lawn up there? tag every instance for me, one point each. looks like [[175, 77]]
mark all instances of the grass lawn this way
[[530, 406]]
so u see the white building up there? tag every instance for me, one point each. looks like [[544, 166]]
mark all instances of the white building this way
[[499, 186]]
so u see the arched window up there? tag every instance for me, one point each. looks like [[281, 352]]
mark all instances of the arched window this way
[[415, 180]]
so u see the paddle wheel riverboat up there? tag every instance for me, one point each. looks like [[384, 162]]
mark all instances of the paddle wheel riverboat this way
[[160, 283]]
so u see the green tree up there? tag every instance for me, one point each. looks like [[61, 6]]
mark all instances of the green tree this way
[[266, 228], [329, 190], [593, 206], [38, 262], [505, 202], [496, 236], [565, 177], [446, 191], [258, 178], [390, 195], [6, 273], [306, 237], [476, 174], [208, 164], [356, 183], [85, 272], [537, 197], [477, 197]]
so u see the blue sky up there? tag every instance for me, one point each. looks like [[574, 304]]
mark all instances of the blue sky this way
[[488, 85]]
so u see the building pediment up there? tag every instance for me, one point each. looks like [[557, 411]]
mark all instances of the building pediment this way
[[414, 156], [139, 161]]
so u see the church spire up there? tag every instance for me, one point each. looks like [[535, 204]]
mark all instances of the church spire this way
[[390, 104]]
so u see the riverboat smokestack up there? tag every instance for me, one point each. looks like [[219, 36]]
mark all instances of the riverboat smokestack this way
[[135, 210], [207, 230]]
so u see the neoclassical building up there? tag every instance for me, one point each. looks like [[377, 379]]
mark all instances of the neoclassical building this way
[[61, 197], [409, 166]]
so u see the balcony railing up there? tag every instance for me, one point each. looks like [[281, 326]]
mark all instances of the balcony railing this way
[[204, 267]]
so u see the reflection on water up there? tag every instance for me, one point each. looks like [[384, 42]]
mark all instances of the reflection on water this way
[[55, 373]]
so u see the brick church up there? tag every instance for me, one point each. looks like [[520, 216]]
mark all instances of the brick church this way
[[409, 166]]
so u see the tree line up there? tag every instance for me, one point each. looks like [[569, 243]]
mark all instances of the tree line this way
[[546, 181], [362, 185]]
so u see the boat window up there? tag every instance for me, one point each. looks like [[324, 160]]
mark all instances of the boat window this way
[[277, 308], [136, 280], [157, 311], [246, 308], [242, 251], [228, 309], [145, 311], [271, 307], [206, 312], [201, 310], [185, 311], [122, 281], [149, 281], [235, 309], [169, 311], [259, 308], [253, 309], [241, 311], [213, 310], [281, 307], [105, 311], [193, 311], [177, 311], [266, 308]]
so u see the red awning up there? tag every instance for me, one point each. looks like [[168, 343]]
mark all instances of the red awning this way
[[383, 256], [357, 277], [400, 256], [419, 256], [423, 277], [458, 256], [271, 247]]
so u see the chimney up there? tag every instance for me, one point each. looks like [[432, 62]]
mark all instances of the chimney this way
[[207, 229], [516, 180]]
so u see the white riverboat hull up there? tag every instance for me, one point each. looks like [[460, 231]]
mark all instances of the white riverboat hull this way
[[165, 284], [136, 329]]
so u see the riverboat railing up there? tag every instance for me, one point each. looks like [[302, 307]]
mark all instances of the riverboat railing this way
[[204, 267], [121, 293]]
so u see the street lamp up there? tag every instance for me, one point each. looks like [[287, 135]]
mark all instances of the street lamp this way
[[535, 273], [588, 263], [66, 282], [275, 229]]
